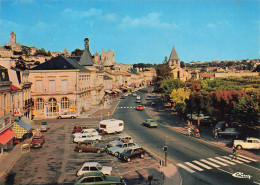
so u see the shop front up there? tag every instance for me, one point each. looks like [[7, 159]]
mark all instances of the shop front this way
[[6, 140]]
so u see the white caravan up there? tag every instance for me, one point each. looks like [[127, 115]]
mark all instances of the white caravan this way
[[111, 126]]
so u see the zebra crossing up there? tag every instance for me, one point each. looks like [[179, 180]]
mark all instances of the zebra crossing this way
[[216, 162], [128, 107]]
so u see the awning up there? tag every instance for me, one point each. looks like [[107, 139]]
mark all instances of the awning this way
[[20, 128], [6, 136], [114, 91], [109, 91]]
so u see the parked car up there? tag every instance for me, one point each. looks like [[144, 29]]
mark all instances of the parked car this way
[[44, 126], [195, 116], [123, 97], [150, 123], [229, 132], [122, 139], [67, 115], [138, 101], [97, 147], [37, 141], [120, 147], [98, 178], [90, 131], [138, 97], [248, 143], [131, 153], [87, 136], [140, 107], [93, 167], [79, 128], [134, 94]]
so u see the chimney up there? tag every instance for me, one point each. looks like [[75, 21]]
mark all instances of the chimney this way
[[86, 40]]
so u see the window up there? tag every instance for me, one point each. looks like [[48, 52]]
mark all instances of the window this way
[[52, 85], [64, 85], [93, 168], [39, 105], [53, 104], [98, 179], [39, 86], [65, 103], [89, 179], [86, 168]]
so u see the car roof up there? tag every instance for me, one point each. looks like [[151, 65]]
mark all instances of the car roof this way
[[252, 138], [124, 135], [90, 164], [150, 120], [91, 174]]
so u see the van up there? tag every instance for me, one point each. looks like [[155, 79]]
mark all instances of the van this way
[[79, 128], [111, 126]]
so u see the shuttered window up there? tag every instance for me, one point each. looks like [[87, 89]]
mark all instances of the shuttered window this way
[[52, 85]]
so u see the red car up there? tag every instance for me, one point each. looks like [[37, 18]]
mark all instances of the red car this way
[[37, 141], [79, 128], [139, 107]]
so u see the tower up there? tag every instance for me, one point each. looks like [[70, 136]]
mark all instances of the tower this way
[[86, 40], [13, 38], [174, 60]]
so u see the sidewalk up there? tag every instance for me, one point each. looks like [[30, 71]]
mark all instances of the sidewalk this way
[[9, 158]]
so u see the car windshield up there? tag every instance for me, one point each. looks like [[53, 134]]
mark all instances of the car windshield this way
[[99, 166], [119, 145], [37, 138], [44, 123]]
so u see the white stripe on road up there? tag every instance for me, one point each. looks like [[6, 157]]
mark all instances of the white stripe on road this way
[[247, 158], [186, 168], [127, 107], [226, 161], [203, 165], [194, 166], [214, 160], [210, 163], [131, 107], [229, 158], [241, 159]]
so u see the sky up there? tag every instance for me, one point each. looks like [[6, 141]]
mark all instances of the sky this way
[[139, 31]]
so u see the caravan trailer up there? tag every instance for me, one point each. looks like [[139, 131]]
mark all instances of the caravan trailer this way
[[111, 126]]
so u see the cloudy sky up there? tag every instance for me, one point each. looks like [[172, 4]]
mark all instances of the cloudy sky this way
[[138, 31]]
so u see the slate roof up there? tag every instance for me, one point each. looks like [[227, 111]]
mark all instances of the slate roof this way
[[86, 58], [59, 63], [174, 55]]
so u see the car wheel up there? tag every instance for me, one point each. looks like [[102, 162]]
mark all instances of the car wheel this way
[[98, 151], [128, 160], [239, 147], [80, 151], [142, 156], [59, 117], [116, 154]]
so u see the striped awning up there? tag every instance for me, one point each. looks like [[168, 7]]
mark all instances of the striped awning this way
[[6, 136], [20, 128]]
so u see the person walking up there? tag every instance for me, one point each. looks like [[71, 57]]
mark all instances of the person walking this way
[[189, 131], [234, 153], [216, 134], [197, 133]]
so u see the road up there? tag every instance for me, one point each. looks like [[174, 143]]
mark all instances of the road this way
[[199, 162]]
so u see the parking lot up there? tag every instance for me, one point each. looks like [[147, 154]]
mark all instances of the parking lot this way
[[57, 162]]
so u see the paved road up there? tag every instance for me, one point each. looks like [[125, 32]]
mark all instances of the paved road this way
[[198, 161]]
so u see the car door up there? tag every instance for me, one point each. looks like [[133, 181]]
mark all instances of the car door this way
[[93, 169], [249, 144]]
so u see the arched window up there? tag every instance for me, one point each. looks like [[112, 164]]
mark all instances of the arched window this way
[[39, 104], [65, 103], [52, 104]]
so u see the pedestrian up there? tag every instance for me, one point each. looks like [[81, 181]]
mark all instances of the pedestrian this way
[[197, 133], [216, 134], [189, 131], [234, 153]]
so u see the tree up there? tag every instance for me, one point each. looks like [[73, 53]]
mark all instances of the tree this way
[[179, 97], [77, 52], [182, 64], [26, 50], [246, 111], [168, 84], [162, 71], [165, 61]]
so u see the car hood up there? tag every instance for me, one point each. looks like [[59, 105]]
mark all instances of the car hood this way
[[113, 143], [106, 170]]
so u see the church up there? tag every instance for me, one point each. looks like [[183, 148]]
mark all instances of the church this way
[[177, 71]]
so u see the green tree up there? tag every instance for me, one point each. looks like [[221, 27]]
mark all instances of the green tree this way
[[179, 97], [26, 50], [168, 84], [162, 71], [246, 111], [77, 52]]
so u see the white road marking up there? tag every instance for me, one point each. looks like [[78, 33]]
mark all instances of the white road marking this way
[[203, 165], [194, 166], [216, 161], [127, 107], [241, 159], [226, 161], [186, 168], [229, 158], [247, 158], [210, 163], [251, 166], [225, 171]]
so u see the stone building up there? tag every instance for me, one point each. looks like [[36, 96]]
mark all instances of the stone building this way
[[13, 44], [177, 71], [107, 58]]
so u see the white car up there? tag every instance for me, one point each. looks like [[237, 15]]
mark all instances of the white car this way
[[67, 115], [121, 139], [86, 136], [120, 147], [248, 143], [93, 167], [90, 131], [138, 97]]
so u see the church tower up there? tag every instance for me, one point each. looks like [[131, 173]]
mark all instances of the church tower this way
[[13, 38], [174, 60]]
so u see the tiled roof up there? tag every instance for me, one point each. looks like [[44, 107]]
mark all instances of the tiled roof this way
[[59, 63], [6, 136], [207, 75], [174, 55], [86, 58], [13, 87]]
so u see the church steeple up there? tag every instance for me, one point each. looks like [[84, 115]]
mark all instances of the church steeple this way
[[174, 60]]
